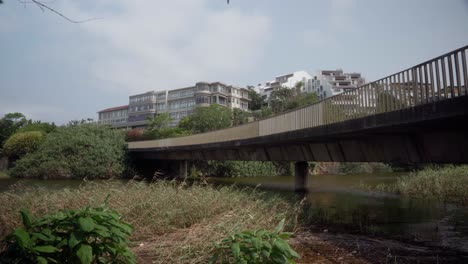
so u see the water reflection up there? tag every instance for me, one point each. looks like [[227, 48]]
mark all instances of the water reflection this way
[[334, 202]]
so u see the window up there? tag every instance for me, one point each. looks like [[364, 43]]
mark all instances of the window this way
[[202, 100]]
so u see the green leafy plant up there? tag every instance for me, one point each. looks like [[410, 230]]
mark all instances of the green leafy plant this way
[[90, 235], [77, 150], [22, 143], [258, 246]]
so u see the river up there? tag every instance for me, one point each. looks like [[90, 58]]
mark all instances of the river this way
[[334, 203]]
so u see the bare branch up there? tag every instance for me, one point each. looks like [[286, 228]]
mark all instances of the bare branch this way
[[43, 5]]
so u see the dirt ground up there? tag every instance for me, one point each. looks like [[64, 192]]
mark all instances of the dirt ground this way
[[319, 247], [345, 248]]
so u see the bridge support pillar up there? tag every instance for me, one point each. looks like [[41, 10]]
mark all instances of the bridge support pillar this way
[[183, 167], [301, 173]]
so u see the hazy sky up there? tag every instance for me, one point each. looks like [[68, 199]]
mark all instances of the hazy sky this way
[[54, 70]]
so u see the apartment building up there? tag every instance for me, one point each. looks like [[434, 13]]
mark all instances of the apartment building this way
[[325, 83], [181, 102], [115, 116], [287, 80], [339, 81]]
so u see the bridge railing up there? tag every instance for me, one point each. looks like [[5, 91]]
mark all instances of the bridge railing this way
[[438, 79]]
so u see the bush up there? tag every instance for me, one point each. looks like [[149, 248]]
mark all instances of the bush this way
[[134, 134], [38, 126], [363, 167], [90, 235], [20, 144], [259, 246], [85, 150], [238, 168]]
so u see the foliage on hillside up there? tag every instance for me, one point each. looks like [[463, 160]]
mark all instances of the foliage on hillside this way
[[76, 151], [9, 124], [22, 143]]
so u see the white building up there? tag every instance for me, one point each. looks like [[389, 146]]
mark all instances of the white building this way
[[325, 83], [336, 81], [287, 80]]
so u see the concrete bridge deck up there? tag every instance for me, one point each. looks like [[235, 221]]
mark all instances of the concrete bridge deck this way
[[418, 115]]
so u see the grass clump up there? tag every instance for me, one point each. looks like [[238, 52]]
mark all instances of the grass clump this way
[[172, 223], [448, 184], [4, 175]]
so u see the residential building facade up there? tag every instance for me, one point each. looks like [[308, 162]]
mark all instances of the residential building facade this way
[[179, 103], [339, 81], [325, 83], [115, 116], [287, 80]]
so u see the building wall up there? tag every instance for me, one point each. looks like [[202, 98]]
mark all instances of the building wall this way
[[115, 118], [179, 103]]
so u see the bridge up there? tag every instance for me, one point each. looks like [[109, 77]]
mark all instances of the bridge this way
[[418, 115]]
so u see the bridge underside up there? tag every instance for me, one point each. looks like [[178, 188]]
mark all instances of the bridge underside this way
[[435, 132]]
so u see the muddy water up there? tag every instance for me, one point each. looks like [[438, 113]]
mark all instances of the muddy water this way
[[334, 202]]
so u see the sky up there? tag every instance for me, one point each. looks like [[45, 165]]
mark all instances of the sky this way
[[55, 71]]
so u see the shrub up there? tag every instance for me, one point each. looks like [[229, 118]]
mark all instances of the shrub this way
[[134, 134], [78, 151], [363, 167], [259, 246], [238, 168], [90, 235], [20, 144], [38, 126]]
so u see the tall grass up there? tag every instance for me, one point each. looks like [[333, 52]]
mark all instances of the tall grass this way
[[173, 223], [448, 184], [3, 175]]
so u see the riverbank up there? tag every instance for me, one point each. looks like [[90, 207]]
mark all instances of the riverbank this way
[[4, 175], [446, 184], [177, 223], [161, 212]]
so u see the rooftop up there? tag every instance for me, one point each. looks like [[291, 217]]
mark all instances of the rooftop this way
[[114, 108]]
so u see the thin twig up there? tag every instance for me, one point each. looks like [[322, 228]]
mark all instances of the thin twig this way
[[43, 6]]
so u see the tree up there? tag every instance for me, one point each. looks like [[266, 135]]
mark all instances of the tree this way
[[22, 143], [9, 124], [37, 126], [285, 99], [209, 118], [90, 151], [264, 112], [257, 100], [279, 97], [160, 127], [240, 117]]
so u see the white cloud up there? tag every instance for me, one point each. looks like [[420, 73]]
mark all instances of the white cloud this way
[[339, 23], [156, 45]]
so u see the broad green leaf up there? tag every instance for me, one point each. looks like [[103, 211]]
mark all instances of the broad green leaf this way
[[45, 249], [280, 226], [22, 237], [42, 237], [235, 249], [72, 242], [285, 235], [41, 260], [85, 254], [87, 224], [26, 217]]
